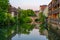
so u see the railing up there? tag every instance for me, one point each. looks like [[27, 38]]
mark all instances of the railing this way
[[54, 4], [50, 12], [55, 11], [59, 1], [50, 6]]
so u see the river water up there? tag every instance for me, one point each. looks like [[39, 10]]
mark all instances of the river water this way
[[34, 35], [26, 33]]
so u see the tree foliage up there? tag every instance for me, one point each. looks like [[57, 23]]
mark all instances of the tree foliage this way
[[3, 10], [42, 17], [24, 16], [5, 17], [3, 5]]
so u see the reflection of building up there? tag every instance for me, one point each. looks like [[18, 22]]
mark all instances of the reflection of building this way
[[54, 12], [12, 10], [53, 36]]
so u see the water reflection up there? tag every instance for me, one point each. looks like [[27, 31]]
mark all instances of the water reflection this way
[[7, 32], [26, 32], [34, 35], [25, 28]]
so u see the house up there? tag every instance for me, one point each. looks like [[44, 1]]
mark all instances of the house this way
[[13, 10], [42, 7], [54, 11], [45, 12]]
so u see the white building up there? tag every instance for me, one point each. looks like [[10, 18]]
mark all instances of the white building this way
[[45, 12]]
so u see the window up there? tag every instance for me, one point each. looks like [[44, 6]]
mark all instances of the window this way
[[12, 14]]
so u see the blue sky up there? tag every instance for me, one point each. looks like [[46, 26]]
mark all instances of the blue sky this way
[[29, 4]]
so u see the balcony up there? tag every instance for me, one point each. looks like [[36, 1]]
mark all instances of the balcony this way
[[59, 1], [50, 12], [55, 3], [55, 11], [50, 6]]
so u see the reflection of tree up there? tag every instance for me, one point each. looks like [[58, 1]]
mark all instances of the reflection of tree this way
[[25, 28], [7, 32], [10, 31], [2, 37]]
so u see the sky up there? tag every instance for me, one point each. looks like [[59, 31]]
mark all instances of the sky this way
[[29, 4]]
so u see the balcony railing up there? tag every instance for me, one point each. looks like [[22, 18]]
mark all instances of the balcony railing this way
[[50, 6], [50, 12], [55, 11], [59, 1], [54, 4]]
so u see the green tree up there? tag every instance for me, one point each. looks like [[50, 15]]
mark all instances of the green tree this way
[[42, 17], [24, 16], [43, 21], [30, 12], [9, 20], [4, 5], [3, 9]]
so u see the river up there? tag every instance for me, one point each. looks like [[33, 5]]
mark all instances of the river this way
[[26, 33], [34, 35]]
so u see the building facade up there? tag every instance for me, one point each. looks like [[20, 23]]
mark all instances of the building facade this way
[[45, 12], [42, 7], [54, 13]]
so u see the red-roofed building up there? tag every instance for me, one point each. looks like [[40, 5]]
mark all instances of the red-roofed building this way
[[42, 7]]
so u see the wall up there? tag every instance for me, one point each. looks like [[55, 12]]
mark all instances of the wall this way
[[45, 12]]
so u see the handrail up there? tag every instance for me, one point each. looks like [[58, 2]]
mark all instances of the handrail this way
[[54, 11]]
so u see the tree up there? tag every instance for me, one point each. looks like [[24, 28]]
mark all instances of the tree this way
[[3, 10], [42, 17], [30, 12], [24, 16], [9, 20], [5, 17], [43, 21], [4, 5]]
